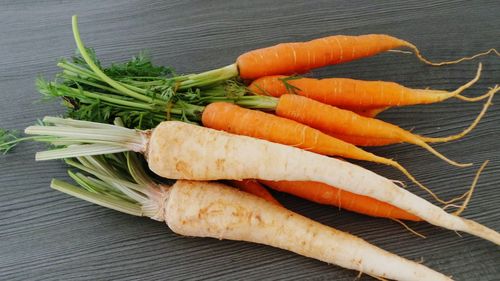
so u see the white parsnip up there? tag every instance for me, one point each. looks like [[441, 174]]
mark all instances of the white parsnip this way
[[182, 151], [179, 150], [209, 209]]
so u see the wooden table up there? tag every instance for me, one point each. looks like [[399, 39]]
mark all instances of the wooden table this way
[[46, 235]]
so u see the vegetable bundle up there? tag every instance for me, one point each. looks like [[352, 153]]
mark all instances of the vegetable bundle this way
[[208, 209], [287, 151], [177, 150]]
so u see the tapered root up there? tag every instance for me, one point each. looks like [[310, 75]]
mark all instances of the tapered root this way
[[426, 61], [467, 195], [471, 190], [413, 179], [457, 92], [474, 99], [479, 98], [429, 148], [473, 125]]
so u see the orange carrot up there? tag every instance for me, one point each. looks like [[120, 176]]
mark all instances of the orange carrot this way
[[339, 122], [366, 141], [355, 94], [255, 188], [329, 195], [376, 141], [237, 120], [300, 57], [325, 194], [370, 112]]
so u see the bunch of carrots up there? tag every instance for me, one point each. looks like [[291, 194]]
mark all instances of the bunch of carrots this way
[[264, 126]]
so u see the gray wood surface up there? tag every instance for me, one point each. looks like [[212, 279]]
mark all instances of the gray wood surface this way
[[45, 235]]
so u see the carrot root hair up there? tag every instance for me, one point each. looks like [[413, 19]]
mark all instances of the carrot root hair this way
[[417, 53], [491, 93], [457, 92], [479, 98], [429, 148], [471, 190], [413, 179], [474, 99], [409, 228], [467, 195]]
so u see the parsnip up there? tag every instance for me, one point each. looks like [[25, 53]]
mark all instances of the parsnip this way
[[179, 150], [208, 209]]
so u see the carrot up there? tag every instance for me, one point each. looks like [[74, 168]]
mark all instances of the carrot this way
[[286, 58], [300, 57], [379, 141], [237, 120], [328, 195], [365, 141], [370, 112], [355, 94], [179, 150], [234, 119], [127, 91], [339, 148], [208, 209], [339, 123], [255, 188]]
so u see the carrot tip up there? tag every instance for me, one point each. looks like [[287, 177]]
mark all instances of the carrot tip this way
[[400, 51], [473, 125], [413, 179], [426, 61], [462, 88], [471, 189]]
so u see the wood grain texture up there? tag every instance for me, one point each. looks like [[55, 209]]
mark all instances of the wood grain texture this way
[[46, 235]]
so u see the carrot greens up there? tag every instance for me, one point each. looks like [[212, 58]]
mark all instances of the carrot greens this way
[[8, 139]]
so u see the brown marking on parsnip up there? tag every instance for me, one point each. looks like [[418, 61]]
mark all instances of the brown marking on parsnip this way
[[183, 168], [219, 163]]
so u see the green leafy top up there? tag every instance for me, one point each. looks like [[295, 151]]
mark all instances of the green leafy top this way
[[8, 139], [156, 97], [289, 87]]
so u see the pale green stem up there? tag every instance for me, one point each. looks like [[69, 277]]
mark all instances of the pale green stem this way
[[210, 77], [112, 203], [98, 71], [87, 138]]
